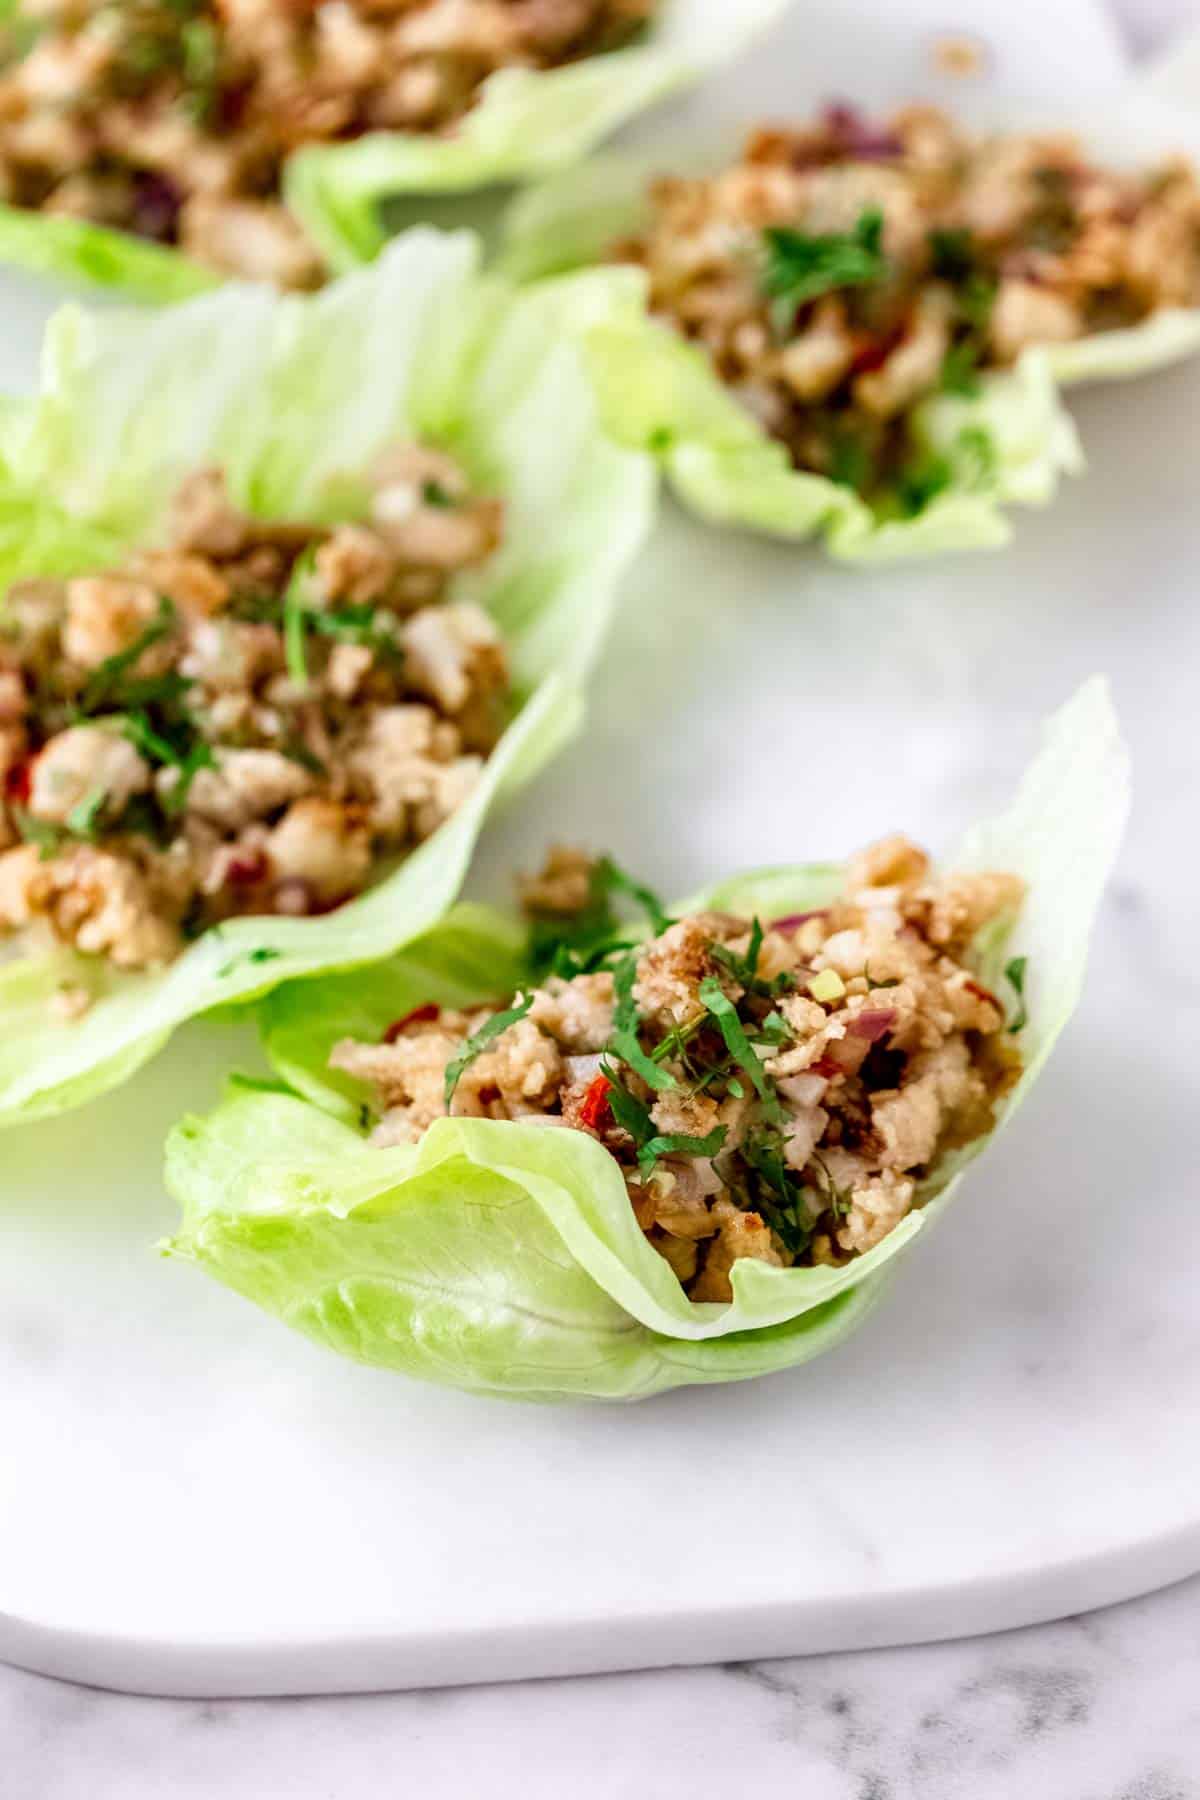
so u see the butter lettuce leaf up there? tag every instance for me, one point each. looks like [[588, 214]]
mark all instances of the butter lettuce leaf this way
[[504, 1256], [293, 396]]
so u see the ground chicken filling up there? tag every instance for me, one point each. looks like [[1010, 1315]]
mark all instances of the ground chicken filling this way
[[777, 1090], [246, 719], [840, 273], [172, 118]]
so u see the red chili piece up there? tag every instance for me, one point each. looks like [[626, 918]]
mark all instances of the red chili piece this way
[[594, 1112]]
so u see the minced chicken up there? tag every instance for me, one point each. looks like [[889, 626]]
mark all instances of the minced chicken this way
[[247, 718], [172, 118]]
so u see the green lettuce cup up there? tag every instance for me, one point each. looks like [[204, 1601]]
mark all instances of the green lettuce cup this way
[[525, 124], [505, 1259], [293, 398], [1007, 443]]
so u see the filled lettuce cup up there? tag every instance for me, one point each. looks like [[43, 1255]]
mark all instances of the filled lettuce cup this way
[[857, 328], [159, 145], [295, 589], [621, 1148]]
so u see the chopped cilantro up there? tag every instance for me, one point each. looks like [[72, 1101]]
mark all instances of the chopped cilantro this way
[[487, 1034], [800, 266], [435, 493], [1014, 974]]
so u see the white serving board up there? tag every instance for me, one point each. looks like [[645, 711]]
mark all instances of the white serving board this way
[[194, 1501]]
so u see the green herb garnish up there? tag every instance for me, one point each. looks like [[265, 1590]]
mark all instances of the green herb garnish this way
[[435, 493], [960, 369], [101, 690], [81, 820], [799, 266], [724, 1013], [921, 480], [624, 1044], [1014, 974], [296, 611], [487, 1034], [577, 943], [633, 1117]]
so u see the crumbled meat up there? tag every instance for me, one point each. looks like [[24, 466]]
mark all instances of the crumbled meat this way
[[173, 118], [874, 1049], [153, 718]]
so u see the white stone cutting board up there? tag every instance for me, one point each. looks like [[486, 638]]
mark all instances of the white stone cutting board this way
[[194, 1501]]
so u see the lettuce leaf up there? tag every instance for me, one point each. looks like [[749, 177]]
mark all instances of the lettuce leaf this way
[[504, 1257], [293, 396], [525, 124], [84, 255], [659, 393]]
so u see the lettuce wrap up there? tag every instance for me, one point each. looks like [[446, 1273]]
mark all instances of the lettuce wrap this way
[[1008, 443], [505, 1259], [292, 397], [527, 123]]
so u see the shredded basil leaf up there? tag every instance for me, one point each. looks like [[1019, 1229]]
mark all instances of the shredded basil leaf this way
[[295, 615], [724, 1012], [679, 1143], [479, 1041], [100, 689], [960, 369], [624, 1044]]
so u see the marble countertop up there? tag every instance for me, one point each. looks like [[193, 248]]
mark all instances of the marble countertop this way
[[1102, 1707]]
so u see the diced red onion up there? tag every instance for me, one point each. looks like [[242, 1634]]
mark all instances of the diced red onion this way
[[790, 921], [873, 1023], [582, 1068], [855, 135]]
